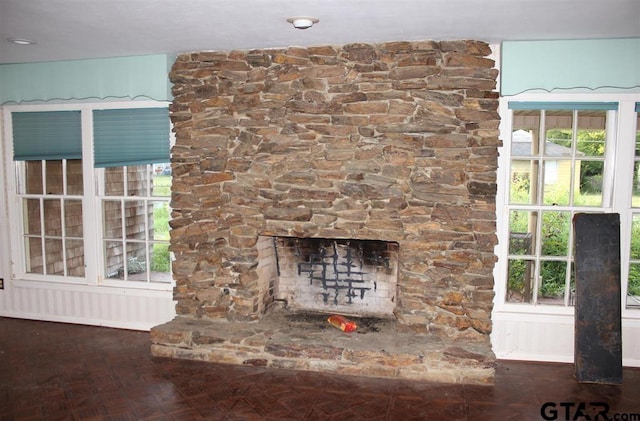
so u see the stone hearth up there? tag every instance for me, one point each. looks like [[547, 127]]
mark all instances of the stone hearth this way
[[306, 341], [393, 142]]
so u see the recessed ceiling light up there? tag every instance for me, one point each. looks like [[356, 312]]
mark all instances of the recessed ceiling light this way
[[21, 41]]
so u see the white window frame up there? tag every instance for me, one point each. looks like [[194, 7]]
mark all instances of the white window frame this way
[[616, 191], [91, 202]]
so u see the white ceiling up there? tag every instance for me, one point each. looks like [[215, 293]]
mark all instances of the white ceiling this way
[[77, 29]]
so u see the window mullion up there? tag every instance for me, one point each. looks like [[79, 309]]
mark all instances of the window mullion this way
[[568, 294], [538, 153], [537, 253], [43, 238], [574, 154], [149, 179], [43, 174], [90, 203], [123, 228], [614, 159], [147, 240], [64, 177], [63, 238], [20, 175], [63, 227]]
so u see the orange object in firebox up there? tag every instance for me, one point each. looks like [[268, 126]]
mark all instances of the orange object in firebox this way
[[342, 323]]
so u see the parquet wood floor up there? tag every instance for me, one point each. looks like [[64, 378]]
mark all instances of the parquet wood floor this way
[[55, 371]]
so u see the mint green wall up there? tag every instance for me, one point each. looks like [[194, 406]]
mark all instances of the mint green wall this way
[[139, 77], [602, 65], [577, 65]]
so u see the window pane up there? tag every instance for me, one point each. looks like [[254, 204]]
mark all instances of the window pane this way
[[135, 219], [559, 142], [161, 180], [73, 218], [551, 172], [572, 285], [591, 176], [112, 217], [54, 258], [160, 221], [114, 181], [160, 263], [558, 119], [524, 143], [525, 121], [636, 173], [33, 172], [54, 177], [557, 182], [520, 281], [138, 179], [137, 182], [591, 133], [522, 174], [114, 259], [552, 282], [633, 288], [555, 233], [558, 132], [32, 223], [136, 264], [75, 257], [34, 255], [522, 228], [635, 237], [52, 218], [74, 177]]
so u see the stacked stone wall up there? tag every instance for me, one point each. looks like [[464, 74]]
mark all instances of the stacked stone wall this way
[[395, 141]]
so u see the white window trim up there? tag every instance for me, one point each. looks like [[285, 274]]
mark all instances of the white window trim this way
[[92, 234], [624, 130]]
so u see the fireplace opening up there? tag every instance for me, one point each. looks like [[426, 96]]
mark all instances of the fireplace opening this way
[[333, 276]]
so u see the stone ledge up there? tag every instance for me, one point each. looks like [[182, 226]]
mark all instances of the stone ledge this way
[[307, 342]]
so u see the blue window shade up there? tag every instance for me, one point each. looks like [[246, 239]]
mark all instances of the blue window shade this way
[[533, 105], [130, 136], [46, 135], [638, 107]]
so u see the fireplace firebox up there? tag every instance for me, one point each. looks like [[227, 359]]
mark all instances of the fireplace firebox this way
[[351, 277]]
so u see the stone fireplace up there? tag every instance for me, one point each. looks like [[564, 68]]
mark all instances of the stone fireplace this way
[[357, 180]]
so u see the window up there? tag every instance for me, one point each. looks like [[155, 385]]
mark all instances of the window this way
[[633, 286], [52, 209], [128, 145], [93, 185], [135, 215], [48, 156], [558, 163]]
